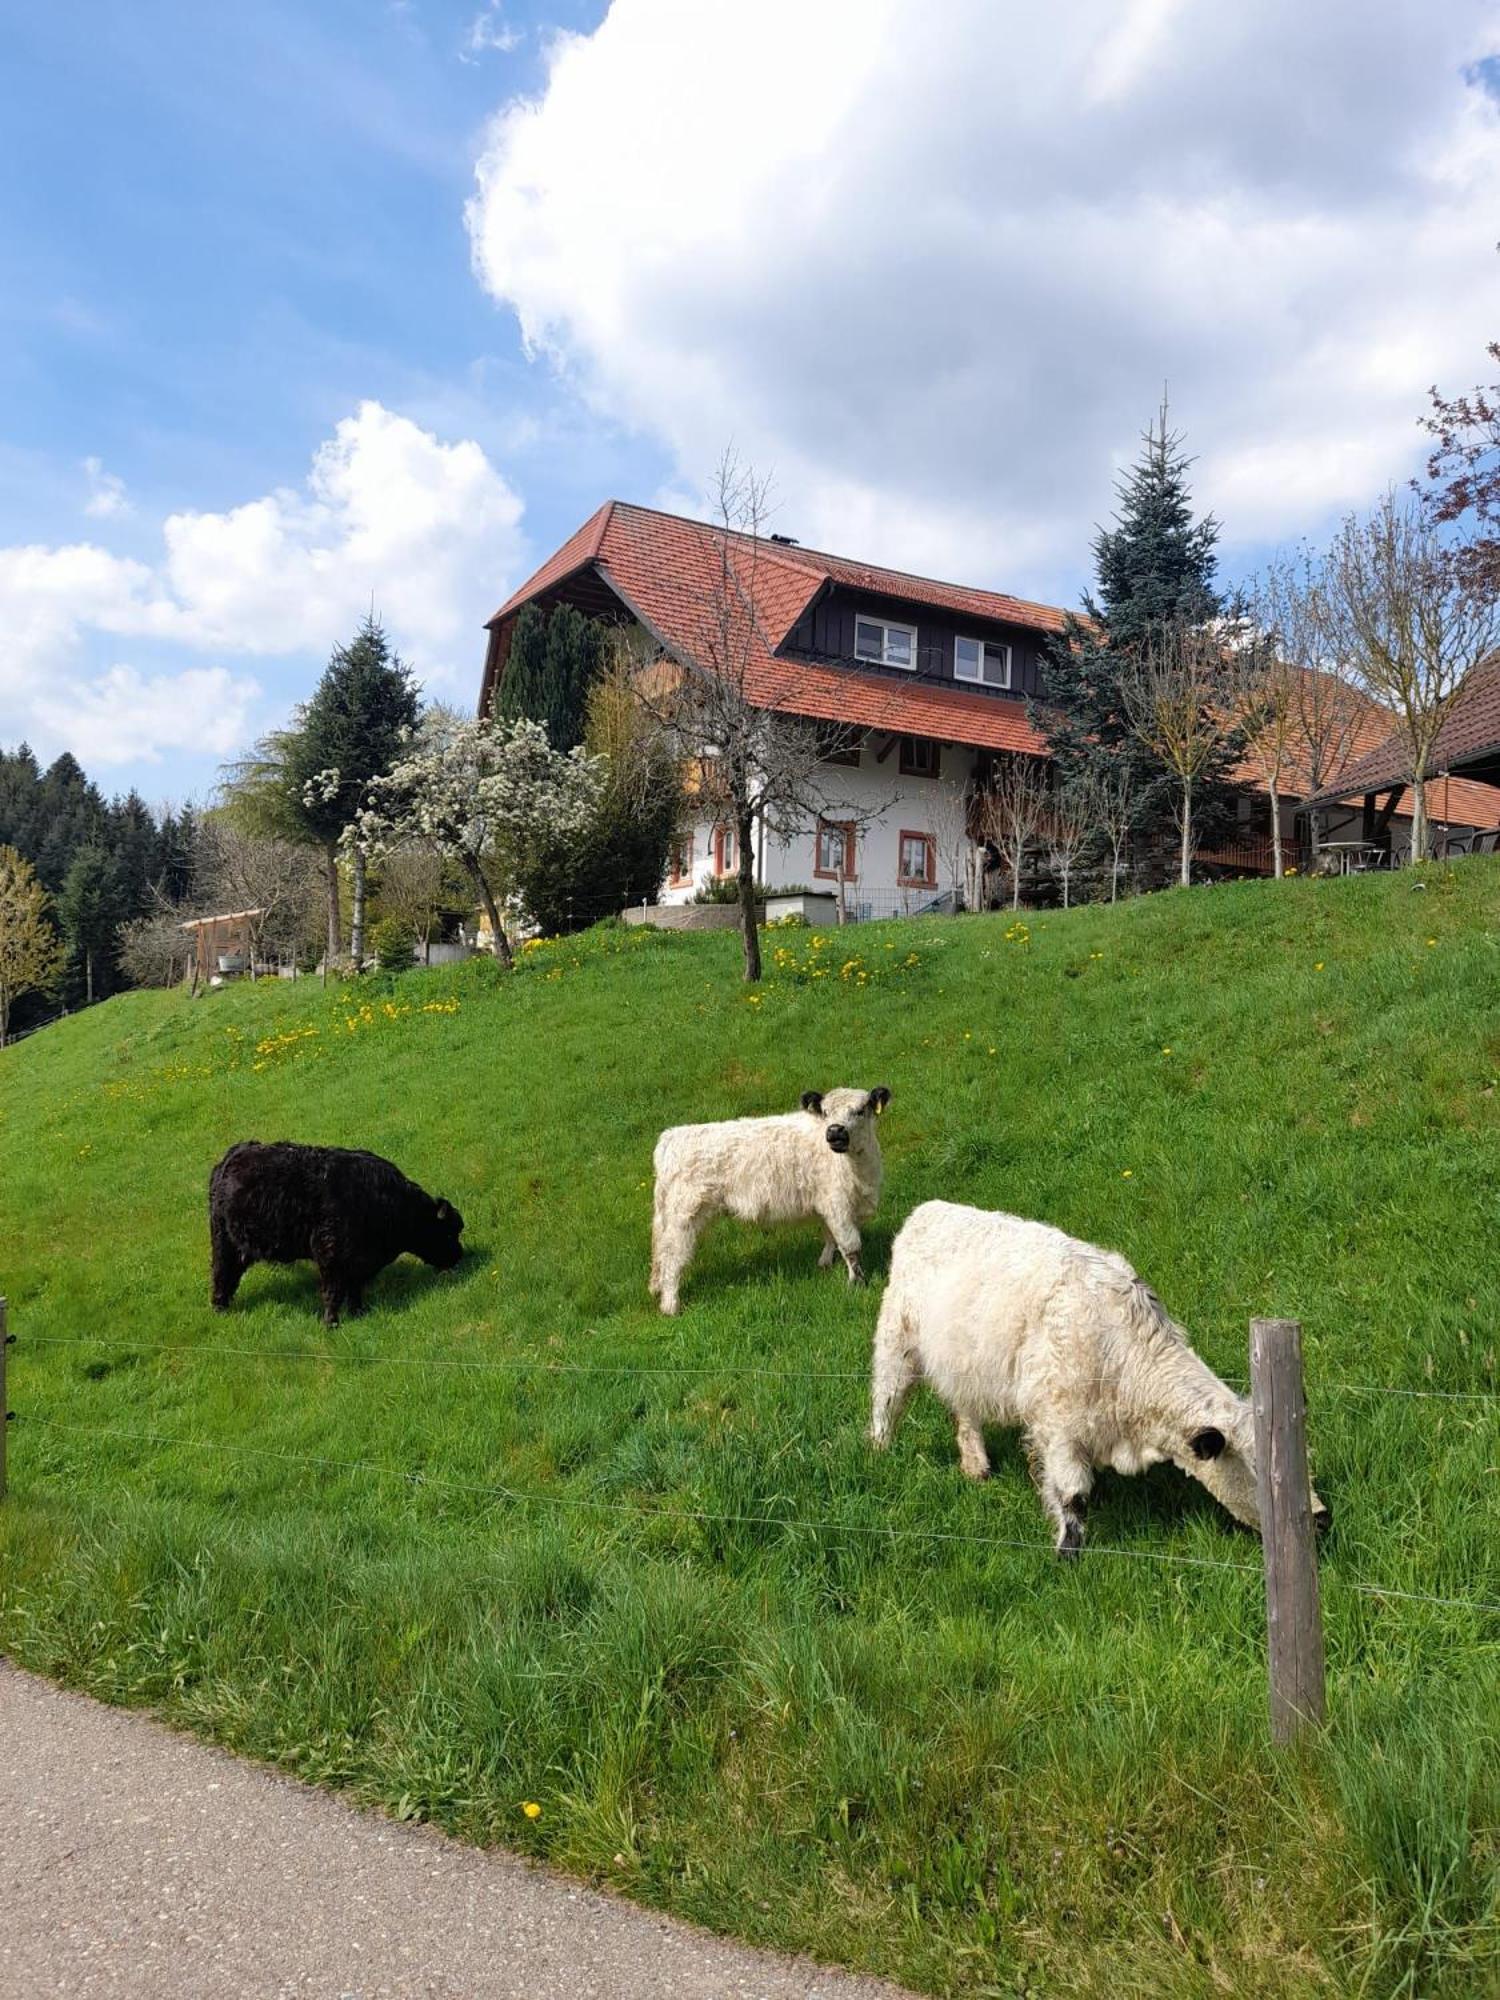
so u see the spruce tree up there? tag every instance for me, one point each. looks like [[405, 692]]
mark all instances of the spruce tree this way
[[1155, 567], [135, 842], [348, 733], [91, 908]]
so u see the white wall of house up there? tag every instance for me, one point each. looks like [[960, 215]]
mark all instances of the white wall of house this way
[[882, 804]]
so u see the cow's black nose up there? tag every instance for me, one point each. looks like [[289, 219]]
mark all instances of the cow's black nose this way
[[838, 1138]]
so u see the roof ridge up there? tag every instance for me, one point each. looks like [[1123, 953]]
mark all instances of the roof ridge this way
[[804, 556]]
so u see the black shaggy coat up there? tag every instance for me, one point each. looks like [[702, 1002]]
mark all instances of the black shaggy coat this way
[[350, 1213]]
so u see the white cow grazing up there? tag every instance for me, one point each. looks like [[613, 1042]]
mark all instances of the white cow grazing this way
[[823, 1161], [1012, 1322]]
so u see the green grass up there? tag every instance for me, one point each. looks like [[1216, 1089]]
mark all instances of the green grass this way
[[719, 1643]]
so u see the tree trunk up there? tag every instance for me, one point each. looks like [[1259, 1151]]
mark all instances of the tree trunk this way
[[1186, 876], [744, 829], [1018, 855], [1278, 859], [357, 911], [491, 909], [331, 867], [88, 978], [1419, 814]]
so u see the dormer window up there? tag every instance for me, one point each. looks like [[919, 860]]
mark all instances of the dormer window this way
[[982, 661], [884, 644]]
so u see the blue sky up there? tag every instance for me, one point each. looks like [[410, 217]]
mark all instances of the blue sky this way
[[225, 226], [307, 304]]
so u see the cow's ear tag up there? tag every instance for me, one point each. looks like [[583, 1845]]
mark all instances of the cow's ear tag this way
[[880, 1107]]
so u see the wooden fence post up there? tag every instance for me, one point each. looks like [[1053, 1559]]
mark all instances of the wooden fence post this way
[[1294, 1618], [4, 1406]]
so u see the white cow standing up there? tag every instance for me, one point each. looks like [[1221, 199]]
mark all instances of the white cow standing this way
[[822, 1160]]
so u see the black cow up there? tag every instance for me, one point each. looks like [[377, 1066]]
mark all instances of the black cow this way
[[350, 1213]]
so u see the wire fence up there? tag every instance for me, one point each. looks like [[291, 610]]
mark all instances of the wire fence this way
[[882, 1531], [418, 1478], [552, 1364]]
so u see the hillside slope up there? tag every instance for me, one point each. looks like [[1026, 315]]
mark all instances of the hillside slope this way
[[511, 1537]]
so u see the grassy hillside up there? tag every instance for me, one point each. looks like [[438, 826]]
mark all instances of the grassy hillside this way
[[513, 1538]]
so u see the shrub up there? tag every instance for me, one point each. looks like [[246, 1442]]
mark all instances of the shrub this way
[[725, 889], [394, 944]]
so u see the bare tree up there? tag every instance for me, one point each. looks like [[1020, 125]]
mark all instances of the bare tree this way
[[1115, 806], [1318, 713], [153, 947], [1072, 821], [1264, 684], [948, 816], [281, 880], [1013, 809], [1179, 694], [756, 766], [1411, 623]]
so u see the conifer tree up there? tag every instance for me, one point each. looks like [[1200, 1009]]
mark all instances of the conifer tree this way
[[1154, 569], [555, 658], [91, 908], [349, 733]]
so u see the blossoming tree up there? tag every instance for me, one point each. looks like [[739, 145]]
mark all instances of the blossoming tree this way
[[485, 793]]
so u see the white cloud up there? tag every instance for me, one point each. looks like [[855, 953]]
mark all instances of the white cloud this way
[[107, 496], [391, 516], [934, 274], [125, 717], [489, 33]]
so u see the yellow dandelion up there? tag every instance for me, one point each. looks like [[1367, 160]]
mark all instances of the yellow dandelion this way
[[1319, 966], [1127, 1173], [531, 1809], [1166, 1052], [1432, 941]]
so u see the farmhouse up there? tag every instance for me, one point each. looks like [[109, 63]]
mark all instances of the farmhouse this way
[[923, 686]]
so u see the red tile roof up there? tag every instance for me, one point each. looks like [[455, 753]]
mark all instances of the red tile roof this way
[[1471, 732], [581, 548], [1458, 802], [668, 571]]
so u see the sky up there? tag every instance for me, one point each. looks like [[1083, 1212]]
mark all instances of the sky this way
[[309, 307]]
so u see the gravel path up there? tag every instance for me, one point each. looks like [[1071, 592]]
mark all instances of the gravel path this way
[[137, 1862]]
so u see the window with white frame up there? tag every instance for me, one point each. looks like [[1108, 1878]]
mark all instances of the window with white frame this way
[[917, 868], [884, 644], [726, 851], [983, 661]]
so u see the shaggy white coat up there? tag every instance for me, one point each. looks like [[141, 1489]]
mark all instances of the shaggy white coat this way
[[783, 1169], [1013, 1322]]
